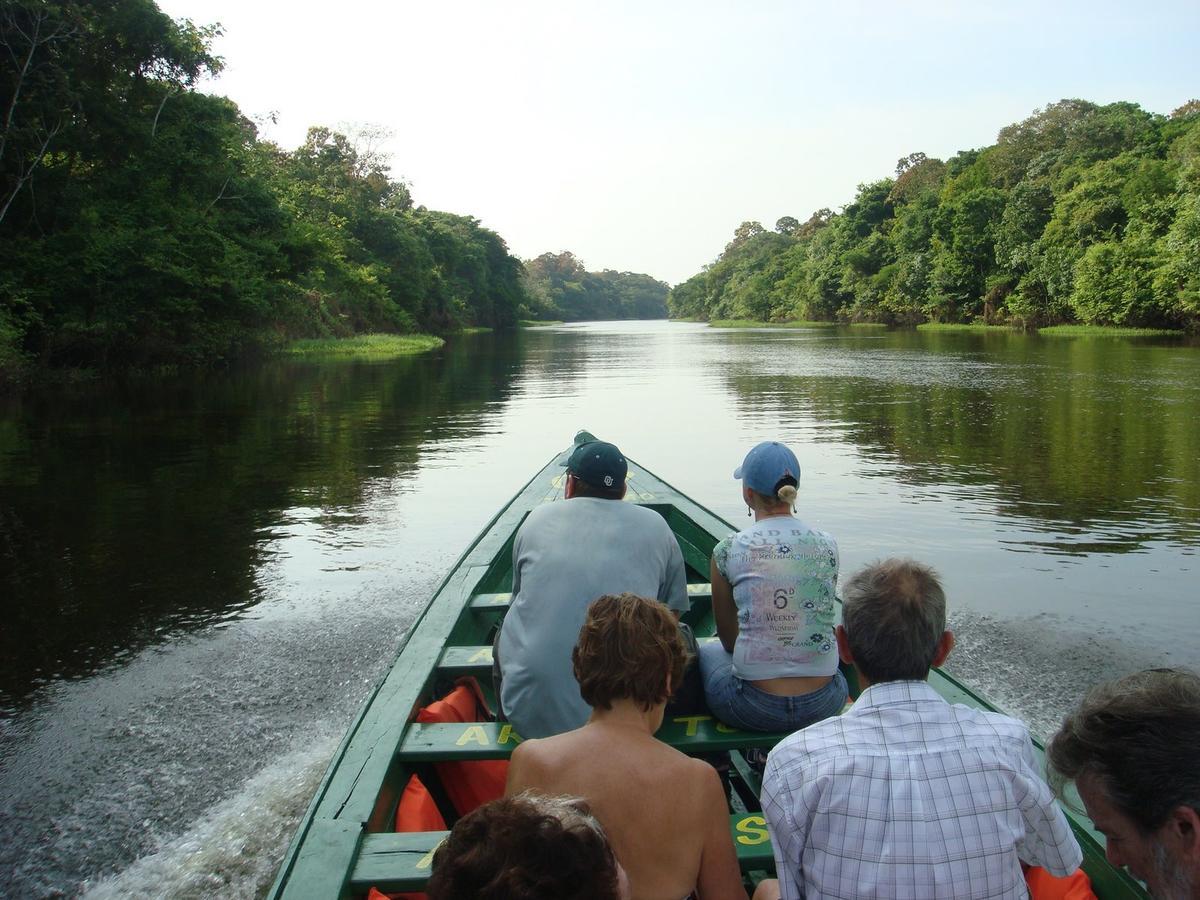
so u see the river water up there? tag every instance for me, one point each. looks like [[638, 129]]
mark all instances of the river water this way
[[201, 578]]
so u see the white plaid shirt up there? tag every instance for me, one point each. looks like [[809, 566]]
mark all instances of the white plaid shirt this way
[[908, 796]]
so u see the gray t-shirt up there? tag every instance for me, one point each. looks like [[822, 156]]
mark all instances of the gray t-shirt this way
[[567, 554]]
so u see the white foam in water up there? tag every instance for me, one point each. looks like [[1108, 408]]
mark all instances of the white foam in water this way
[[235, 848]]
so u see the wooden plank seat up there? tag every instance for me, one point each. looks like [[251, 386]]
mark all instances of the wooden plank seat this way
[[444, 742], [401, 862], [498, 603], [470, 660], [477, 660]]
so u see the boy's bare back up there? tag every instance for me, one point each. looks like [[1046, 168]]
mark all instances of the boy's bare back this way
[[665, 813]]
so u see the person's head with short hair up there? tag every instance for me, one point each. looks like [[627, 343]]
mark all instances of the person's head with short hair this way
[[770, 475], [527, 847], [629, 649], [1133, 750], [894, 621], [596, 469]]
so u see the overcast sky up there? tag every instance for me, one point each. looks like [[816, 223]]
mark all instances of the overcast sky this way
[[639, 134]]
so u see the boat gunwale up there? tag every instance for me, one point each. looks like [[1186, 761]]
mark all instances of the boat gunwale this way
[[311, 817]]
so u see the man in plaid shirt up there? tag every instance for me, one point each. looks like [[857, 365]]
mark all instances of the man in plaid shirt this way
[[906, 795]]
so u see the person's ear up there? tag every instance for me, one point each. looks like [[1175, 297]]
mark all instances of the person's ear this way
[[569, 487], [945, 645], [624, 488], [843, 643], [1182, 829]]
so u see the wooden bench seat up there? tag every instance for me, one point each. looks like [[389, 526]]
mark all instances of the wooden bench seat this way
[[401, 862], [477, 660], [445, 742], [468, 660], [498, 603]]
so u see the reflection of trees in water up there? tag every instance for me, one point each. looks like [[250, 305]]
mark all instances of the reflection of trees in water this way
[[1077, 436], [128, 514]]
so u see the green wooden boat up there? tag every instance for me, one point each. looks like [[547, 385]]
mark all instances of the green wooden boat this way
[[346, 844]]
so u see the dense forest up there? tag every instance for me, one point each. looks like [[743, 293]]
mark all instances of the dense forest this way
[[1081, 213], [558, 287], [143, 222]]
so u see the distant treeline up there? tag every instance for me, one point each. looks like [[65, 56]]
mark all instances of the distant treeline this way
[[1080, 213], [558, 287]]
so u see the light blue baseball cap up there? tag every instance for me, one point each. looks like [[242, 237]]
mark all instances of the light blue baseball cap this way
[[766, 466]]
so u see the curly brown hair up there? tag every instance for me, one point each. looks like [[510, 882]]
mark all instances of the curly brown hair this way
[[527, 847], [629, 647]]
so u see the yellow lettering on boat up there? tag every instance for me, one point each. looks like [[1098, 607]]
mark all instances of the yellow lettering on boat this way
[[483, 654], [427, 860], [752, 830], [726, 729], [474, 733], [693, 723], [507, 734]]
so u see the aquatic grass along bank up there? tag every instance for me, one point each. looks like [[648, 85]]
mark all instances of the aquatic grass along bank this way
[[752, 323], [1108, 331], [363, 346]]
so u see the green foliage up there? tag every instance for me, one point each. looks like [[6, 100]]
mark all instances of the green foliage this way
[[162, 230], [561, 289], [1105, 331], [1079, 213], [1113, 286], [364, 346]]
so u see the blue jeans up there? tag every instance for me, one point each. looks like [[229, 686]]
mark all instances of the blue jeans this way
[[740, 704]]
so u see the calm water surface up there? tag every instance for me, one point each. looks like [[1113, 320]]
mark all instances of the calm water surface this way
[[200, 579]]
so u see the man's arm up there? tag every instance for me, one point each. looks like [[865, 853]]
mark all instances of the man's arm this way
[[1049, 841], [787, 841], [516, 561], [672, 590]]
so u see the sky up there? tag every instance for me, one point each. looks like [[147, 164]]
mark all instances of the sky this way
[[638, 135]]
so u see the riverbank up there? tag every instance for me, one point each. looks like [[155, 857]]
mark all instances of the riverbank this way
[[363, 346], [751, 323], [1050, 330]]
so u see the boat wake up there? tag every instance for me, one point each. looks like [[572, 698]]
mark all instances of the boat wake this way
[[233, 849], [185, 771], [1038, 668]]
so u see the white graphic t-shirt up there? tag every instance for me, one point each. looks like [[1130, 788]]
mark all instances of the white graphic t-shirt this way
[[784, 578]]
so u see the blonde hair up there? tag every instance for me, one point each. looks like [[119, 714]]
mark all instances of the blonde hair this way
[[786, 494]]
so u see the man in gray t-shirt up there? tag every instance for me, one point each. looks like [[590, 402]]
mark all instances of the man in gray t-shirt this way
[[567, 554]]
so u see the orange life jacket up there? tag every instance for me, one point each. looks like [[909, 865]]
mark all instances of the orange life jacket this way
[[467, 784], [1044, 886]]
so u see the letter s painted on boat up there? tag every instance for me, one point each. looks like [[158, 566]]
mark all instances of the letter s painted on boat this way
[[752, 830]]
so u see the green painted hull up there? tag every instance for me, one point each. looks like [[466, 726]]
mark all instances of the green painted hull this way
[[344, 843]]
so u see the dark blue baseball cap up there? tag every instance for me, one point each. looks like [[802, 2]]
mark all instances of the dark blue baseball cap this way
[[600, 464], [766, 466]]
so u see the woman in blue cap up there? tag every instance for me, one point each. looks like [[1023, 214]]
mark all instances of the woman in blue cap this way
[[773, 585]]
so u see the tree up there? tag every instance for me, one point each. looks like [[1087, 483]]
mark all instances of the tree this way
[[1187, 110], [786, 225], [744, 232]]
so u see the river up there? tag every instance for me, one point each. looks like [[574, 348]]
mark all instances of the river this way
[[203, 576]]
